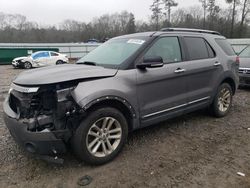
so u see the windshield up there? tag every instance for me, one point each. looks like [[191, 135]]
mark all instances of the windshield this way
[[112, 53], [245, 52]]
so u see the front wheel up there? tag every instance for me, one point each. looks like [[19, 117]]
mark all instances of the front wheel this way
[[100, 136], [223, 100], [27, 65]]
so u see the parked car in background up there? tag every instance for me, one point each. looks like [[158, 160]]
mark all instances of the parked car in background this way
[[127, 83], [40, 59], [93, 41], [244, 70]]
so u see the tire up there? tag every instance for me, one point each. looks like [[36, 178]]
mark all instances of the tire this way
[[27, 65], [222, 102], [85, 142], [59, 62]]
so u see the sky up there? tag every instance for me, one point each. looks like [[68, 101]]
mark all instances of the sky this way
[[48, 12]]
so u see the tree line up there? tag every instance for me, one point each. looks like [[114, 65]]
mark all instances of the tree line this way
[[232, 22]]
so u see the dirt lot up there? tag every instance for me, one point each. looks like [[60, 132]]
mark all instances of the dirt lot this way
[[195, 150]]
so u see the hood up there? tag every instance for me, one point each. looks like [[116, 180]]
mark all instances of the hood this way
[[244, 62], [19, 58], [62, 73]]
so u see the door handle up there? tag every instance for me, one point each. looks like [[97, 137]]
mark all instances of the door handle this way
[[179, 70], [217, 63]]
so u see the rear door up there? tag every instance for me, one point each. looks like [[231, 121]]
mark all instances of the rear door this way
[[203, 70], [162, 91]]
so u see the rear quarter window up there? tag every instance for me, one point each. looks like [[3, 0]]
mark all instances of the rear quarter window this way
[[225, 46]]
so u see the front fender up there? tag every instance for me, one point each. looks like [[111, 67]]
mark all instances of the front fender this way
[[92, 91]]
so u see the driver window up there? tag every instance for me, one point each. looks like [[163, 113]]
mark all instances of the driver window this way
[[168, 48]]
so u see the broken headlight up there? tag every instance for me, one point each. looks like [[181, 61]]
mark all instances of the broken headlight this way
[[64, 94]]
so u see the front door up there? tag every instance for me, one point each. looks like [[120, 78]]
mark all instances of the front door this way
[[162, 91]]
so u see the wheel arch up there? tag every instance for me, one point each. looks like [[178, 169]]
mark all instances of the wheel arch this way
[[231, 82], [116, 102]]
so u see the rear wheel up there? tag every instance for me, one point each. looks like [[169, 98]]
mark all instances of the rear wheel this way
[[223, 100], [100, 136], [27, 65], [59, 62]]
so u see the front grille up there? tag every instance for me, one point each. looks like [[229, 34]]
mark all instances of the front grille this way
[[34, 103], [244, 70]]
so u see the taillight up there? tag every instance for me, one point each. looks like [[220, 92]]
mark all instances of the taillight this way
[[237, 61]]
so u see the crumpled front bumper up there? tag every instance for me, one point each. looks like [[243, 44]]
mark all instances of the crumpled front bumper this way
[[15, 64], [41, 143]]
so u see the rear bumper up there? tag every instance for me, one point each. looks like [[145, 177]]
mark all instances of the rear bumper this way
[[41, 143]]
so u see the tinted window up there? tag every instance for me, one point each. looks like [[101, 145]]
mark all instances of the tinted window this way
[[225, 46], [211, 52], [54, 54], [168, 48], [40, 55], [245, 52], [197, 48]]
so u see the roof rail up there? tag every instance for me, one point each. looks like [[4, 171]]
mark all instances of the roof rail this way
[[191, 30]]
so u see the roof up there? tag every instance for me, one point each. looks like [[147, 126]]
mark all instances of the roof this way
[[171, 30], [190, 30]]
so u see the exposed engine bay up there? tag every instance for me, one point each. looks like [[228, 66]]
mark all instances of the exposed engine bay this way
[[50, 108]]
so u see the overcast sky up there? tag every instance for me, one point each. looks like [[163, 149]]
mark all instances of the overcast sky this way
[[55, 11]]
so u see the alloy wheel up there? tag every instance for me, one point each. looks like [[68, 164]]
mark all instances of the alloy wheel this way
[[224, 100], [104, 136]]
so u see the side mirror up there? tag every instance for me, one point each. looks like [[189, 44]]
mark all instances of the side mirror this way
[[151, 62]]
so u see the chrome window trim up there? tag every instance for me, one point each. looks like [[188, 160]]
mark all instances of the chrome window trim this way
[[241, 68], [176, 107]]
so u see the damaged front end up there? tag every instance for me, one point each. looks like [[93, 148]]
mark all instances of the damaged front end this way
[[42, 118]]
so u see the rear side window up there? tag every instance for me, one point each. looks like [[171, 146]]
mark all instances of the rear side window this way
[[54, 54], [198, 48], [225, 46]]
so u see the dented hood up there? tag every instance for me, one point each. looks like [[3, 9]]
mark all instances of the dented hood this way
[[62, 73]]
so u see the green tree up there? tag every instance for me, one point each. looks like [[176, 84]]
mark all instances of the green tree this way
[[213, 12], [156, 13], [131, 24], [245, 11], [168, 6], [204, 4], [234, 5]]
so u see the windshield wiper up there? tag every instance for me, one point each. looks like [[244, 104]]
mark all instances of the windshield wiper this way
[[88, 63]]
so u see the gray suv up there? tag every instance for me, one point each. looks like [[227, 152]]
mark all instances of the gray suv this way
[[127, 83]]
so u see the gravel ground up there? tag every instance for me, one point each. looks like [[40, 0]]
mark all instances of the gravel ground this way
[[195, 150]]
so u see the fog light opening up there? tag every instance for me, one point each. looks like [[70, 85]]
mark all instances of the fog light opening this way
[[30, 147]]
